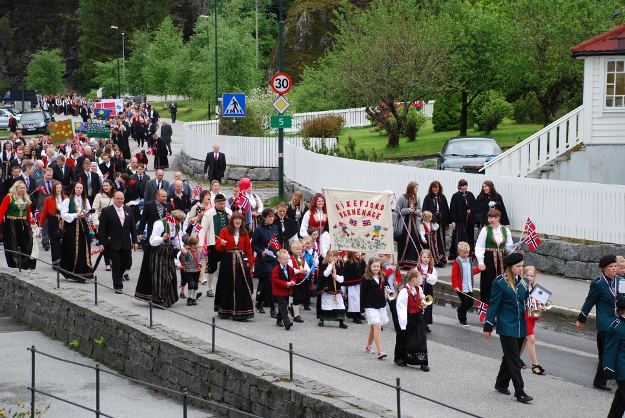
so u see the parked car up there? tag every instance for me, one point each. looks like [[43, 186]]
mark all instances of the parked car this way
[[35, 122], [467, 154], [5, 115]]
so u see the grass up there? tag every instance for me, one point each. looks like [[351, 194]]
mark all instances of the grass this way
[[429, 142], [197, 113]]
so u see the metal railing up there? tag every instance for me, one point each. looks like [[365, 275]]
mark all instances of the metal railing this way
[[291, 352], [184, 394]]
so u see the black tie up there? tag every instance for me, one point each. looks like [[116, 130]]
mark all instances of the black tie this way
[[140, 177], [159, 184]]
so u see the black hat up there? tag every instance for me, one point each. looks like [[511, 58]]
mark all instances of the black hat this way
[[606, 260], [513, 259], [220, 197]]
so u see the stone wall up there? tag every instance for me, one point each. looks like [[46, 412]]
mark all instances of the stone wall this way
[[195, 167], [164, 357]]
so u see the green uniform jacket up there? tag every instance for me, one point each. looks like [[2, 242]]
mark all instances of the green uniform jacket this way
[[507, 308], [614, 350], [600, 296]]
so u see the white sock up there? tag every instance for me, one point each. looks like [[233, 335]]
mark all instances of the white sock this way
[[295, 310], [211, 277]]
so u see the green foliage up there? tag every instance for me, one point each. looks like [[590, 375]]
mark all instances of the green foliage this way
[[489, 110], [327, 126], [260, 102], [415, 119], [446, 114], [75, 343], [45, 72], [107, 77], [159, 66], [22, 411], [319, 90], [135, 76], [527, 110], [247, 126], [100, 341], [318, 145]]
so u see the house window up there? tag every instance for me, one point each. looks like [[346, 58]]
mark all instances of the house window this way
[[615, 84]]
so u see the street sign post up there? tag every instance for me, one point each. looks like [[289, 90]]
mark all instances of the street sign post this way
[[233, 105], [281, 121], [281, 104], [281, 83]]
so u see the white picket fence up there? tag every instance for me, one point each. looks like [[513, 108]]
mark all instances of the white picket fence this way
[[577, 210], [354, 118], [541, 148]]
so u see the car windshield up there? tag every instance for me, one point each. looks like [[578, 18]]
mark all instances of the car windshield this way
[[476, 148], [32, 118]]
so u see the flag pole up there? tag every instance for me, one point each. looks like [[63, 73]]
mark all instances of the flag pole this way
[[476, 299]]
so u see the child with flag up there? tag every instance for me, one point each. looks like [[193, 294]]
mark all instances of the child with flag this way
[[462, 281], [506, 307]]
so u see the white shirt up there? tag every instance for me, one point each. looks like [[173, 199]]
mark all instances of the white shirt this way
[[429, 278], [71, 217], [402, 304], [480, 244]]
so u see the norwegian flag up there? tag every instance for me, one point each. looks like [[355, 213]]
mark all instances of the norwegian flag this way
[[197, 228], [243, 202], [366, 222], [42, 190], [481, 308], [533, 241], [353, 222], [104, 177], [91, 226], [170, 219], [37, 215], [198, 189], [274, 243], [529, 225]]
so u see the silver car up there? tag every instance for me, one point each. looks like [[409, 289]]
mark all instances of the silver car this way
[[5, 114]]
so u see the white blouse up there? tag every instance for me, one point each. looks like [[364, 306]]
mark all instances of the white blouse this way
[[71, 217]]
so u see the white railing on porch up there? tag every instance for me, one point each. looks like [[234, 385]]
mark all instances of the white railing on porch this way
[[560, 208], [539, 149], [354, 118]]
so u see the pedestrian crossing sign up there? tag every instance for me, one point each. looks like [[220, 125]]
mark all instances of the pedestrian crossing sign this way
[[233, 105]]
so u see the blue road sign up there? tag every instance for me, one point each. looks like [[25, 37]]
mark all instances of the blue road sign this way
[[233, 105]]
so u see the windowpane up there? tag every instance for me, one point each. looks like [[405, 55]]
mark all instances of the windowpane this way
[[609, 90], [620, 84], [611, 66], [618, 101], [610, 77], [609, 101], [619, 66]]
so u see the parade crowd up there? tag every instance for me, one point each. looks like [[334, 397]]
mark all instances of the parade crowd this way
[[89, 198]]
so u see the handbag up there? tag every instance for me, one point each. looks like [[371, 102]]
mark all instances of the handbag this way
[[59, 233]]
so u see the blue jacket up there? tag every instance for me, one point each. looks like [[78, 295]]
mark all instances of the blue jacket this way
[[614, 350], [600, 296], [260, 242], [507, 307]]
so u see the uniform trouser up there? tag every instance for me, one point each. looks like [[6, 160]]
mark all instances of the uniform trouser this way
[[511, 363], [599, 378], [283, 313], [465, 304], [618, 403], [400, 345], [265, 293]]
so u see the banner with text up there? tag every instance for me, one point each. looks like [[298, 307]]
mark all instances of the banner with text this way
[[360, 220]]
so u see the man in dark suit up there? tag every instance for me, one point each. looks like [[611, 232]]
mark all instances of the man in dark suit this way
[[89, 179], [62, 172], [17, 161], [141, 178], [152, 212], [215, 165], [12, 177], [106, 166], [118, 234], [47, 182], [155, 184], [28, 177]]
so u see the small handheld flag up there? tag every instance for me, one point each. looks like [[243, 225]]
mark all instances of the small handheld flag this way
[[274, 243], [529, 225], [533, 241], [481, 308], [243, 202], [43, 190], [198, 189]]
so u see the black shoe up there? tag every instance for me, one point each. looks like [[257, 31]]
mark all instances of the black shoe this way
[[126, 277], [357, 321], [343, 325], [524, 397], [288, 326], [259, 306], [194, 301], [307, 308], [273, 313], [198, 294], [280, 323], [425, 368], [427, 329], [46, 247], [189, 302], [401, 363], [320, 323], [210, 294], [119, 291], [298, 319], [503, 390], [602, 386]]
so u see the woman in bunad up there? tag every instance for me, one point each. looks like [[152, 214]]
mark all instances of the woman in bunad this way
[[51, 212], [194, 218], [353, 271], [256, 205], [489, 199], [166, 241], [316, 217], [132, 195], [461, 210], [409, 245], [6, 157], [297, 208], [75, 251], [18, 234], [234, 295], [103, 199], [436, 202]]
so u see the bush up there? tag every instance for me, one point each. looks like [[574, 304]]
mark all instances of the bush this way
[[528, 110], [328, 126], [489, 110], [446, 114], [247, 126], [415, 119]]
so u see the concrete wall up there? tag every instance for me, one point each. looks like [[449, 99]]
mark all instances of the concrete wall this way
[[164, 357], [594, 164]]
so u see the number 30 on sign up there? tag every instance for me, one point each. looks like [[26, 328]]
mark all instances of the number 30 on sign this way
[[281, 83]]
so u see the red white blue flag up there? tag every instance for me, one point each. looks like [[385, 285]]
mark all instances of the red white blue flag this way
[[533, 241], [274, 243], [481, 308], [529, 225], [198, 189], [243, 202]]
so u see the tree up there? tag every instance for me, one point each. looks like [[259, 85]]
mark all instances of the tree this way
[[107, 77], [545, 31], [45, 72], [392, 53], [159, 66]]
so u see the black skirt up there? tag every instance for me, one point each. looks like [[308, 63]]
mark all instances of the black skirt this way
[[75, 251], [409, 245], [18, 237], [234, 293], [416, 352]]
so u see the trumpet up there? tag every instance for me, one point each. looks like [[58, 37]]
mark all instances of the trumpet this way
[[426, 301], [535, 309], [390, 294]]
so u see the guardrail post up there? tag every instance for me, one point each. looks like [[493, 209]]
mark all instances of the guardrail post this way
[[150, 302], [213, 333], [58, 276], [291, 362], [97, 390], [184, 402], [95, 289], [19, 259], [32, 382], [398, 388]]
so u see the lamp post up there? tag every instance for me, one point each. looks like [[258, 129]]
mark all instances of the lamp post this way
[[117, 53], [124, 56], [216, 63], [208, 114]]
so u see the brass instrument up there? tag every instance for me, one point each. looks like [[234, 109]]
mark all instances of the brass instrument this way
[[390, 295], [535, 309], [426, 301]]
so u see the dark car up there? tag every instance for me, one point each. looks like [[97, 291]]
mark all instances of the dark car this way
[[467, 154], [35, 122]]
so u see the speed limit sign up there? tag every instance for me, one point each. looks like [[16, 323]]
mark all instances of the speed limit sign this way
[[281, 83]]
